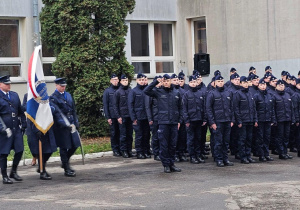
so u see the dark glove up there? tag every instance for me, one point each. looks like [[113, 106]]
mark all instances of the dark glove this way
[[23, 131], [39, 135]]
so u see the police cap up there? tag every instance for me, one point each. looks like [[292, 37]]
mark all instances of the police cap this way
[[243, 79], [219, 77], [235, 75], [5, 79], [262, 81], [279, 82], [173, 76], [217, 72], [61, 81]]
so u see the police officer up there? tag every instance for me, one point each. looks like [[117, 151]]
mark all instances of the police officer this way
[[284, 117], [108, 103], [252, 70], [246, 117], [194, 115], [219, 109], [138, 115], [122, 114], [254, 88], [169, 114], [266, 118], [296, 104], [228, 83], [65, 124], [152, 114], [268, 69], [11, 134], [298, 74], [181, 77]]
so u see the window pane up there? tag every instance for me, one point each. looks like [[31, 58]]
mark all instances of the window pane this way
[[141, 67], [164, 67], [48, 69], [47, 52], [12, 70], [200, 36], [139, 39], [9, 38], [163, 39]]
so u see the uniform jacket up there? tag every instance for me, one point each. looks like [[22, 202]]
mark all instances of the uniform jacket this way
[[13, 116], [296, 104], [193, 103], [253, 89], [244, 106], [121, 102], [108, 102], [64, 103], [136, 103], [283, 107], [264, 103], [151, 108], [219, 106], [169, 103]]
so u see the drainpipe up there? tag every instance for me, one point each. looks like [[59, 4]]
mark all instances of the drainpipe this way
[[36, 34]]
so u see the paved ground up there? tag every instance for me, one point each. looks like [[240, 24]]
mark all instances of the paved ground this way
[[115, 183]]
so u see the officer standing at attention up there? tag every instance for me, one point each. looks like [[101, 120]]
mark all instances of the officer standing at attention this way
[[252, 70], [284, 117], [232, 71], [169, 114], [152, 114], [194, 115], [67, 143], [181, 77], [108, 104], [138, 115], [264, 102], [11, 134], [122, 114], [246, 117], [296, 103], [219, 107]]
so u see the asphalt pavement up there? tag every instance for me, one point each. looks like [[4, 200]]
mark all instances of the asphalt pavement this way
[[116, 183]]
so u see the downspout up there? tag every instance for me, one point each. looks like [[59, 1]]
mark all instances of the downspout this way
[[36, 34]]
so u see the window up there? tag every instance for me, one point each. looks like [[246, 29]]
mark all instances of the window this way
[[47, 59], [200, 35], [152, 48], [10, 59]]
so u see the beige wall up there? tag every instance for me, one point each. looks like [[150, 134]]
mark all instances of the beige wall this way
[[242, 33]]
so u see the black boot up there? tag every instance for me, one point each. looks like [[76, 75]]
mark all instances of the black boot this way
[[6, 180], [45, 176], [14, 175], [68, 171]]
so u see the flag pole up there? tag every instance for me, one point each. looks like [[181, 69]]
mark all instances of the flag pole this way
[[40, 156]]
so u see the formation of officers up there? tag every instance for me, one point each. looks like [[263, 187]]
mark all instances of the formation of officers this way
[[246, 116], [13, 125]]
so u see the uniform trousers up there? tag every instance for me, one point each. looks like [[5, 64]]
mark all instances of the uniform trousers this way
[[221, 137], [142, 136], [115, 135], [263, 138], [194, 138], [126, 131], [282, 136], [245, 140]]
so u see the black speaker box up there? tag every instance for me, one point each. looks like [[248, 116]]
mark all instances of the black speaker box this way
[[202, 63]]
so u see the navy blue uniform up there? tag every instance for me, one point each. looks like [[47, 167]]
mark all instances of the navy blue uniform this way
[[10, 112], [137, 111], [152, 114], [272, 146], [219, 107], [193, 103], [182, 134], [296, 104], [203, 88], [284, 117], [108, 105], [291, 89], [169, 114], [66, 142], [121, 111], [264, 102], [245, 114]]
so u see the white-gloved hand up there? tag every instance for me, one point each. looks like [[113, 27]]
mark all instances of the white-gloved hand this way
[[73, 128], [8, 132]]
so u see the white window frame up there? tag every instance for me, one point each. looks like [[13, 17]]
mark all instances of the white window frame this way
[[193, 32], [152, 59], [49, 60], [15, 60]]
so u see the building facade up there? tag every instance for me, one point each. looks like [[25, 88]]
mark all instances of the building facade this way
[[164, 35]]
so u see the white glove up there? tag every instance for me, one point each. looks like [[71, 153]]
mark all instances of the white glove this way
[[73, 128], [8, 132]]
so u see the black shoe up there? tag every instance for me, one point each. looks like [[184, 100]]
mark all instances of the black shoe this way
[[157, 158], [148, 155], [262, 159], [69, 173], [237, 157], [293, 149], [183, 158], [283, 157], [130, 154], [194, 160], [244, 161], [45, 176], [228, 163], [289, 156], [177, 159], [251, 160], [268, 158], [204, 157], [140, 156], [175, 169], [200, 159], [7, 180], [15, 176], [220, 164], [125, 154], [117, 154], [167, 169]]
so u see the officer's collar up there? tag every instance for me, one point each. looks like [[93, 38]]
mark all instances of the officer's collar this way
[[59, 92]]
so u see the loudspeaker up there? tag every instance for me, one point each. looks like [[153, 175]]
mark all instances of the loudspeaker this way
[[202, 63]]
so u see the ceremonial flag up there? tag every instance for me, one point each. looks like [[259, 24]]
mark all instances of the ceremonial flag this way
[[38, 107]]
